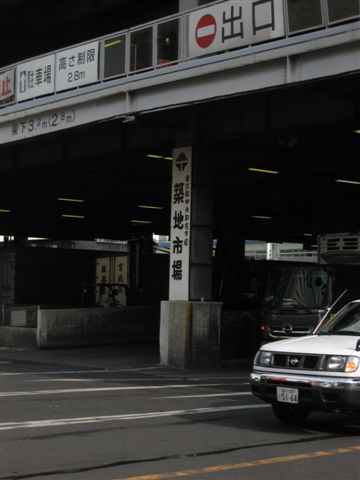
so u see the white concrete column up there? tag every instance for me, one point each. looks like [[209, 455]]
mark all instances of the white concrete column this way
[[190, 321]]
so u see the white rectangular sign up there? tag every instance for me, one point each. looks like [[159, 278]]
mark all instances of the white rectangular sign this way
[[7, 85], [31, 126], [180, 224], [77, 66], [20, 127], [234, 24], [35, 78]]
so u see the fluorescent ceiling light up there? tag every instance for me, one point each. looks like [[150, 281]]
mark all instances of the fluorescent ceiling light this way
[[65, 215], [353, 182], [4, 210], [357, 131], [261, 170], [111, 44], [75, 200], [152, 207], [158, 157], [140, 221], [262, 217], [307, 234]]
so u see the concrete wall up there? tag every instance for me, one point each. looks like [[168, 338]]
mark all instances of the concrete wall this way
[[58, 328], [18, 337]]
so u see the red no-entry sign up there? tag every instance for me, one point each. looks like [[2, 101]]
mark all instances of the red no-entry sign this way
[[205, 31]]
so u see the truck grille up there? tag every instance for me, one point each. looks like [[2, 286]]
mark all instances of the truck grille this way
[[300, 331], [298, 362]]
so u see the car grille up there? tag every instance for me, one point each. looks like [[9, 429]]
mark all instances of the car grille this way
[[298, 362]]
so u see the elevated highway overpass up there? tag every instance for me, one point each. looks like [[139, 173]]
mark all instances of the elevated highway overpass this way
[[265, 94]]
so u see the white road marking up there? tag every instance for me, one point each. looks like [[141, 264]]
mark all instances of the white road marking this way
[[99, 379], [68, 372], [235, 394], [112, 418], [109, 389], [2, 363], [47, 380]]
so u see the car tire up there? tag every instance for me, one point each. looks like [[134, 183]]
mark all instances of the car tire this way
[[290, 414]]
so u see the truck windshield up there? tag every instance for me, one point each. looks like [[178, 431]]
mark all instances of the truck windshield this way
[[346, 322], [297, 289]]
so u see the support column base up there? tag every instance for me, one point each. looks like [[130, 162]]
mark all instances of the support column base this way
[[190, 334]]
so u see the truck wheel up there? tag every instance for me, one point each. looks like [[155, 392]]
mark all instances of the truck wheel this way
[[290, 414]]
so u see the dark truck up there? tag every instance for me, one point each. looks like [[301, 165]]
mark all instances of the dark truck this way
[[298, 296]]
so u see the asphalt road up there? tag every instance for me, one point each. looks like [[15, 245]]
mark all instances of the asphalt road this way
[[105, 414]]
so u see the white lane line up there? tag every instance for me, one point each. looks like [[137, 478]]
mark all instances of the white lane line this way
[[100, 379], [48, 380], [3, 363], [235, 394], [68, 372], [112, 418], [109, 389]]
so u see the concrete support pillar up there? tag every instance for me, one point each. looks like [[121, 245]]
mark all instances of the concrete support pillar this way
[[201, 250], [229, 257], [190, 334], [190, 321]]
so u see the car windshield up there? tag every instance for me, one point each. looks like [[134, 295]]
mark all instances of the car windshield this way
[[297, 289], [345, 322]]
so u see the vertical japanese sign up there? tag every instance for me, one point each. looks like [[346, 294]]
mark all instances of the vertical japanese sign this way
[[7, 86], [77, 66], [180, 224], [234, 24], [35, 78]]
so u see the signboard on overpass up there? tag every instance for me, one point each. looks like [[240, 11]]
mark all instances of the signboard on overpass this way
[[7, 86], [35, 78], [234, 24], [77, 66]]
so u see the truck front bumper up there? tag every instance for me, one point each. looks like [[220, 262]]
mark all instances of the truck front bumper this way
[[315, 392]]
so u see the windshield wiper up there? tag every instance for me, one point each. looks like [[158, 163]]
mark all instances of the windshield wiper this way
[[319, 325]]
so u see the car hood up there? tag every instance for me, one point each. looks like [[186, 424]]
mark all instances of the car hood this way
[[316, 344]]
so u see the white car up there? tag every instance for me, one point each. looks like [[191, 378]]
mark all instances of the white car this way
[[316, 372]]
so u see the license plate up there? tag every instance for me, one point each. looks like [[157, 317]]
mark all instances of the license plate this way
[[287, 395]]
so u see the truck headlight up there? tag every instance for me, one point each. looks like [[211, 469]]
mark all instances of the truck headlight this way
[[336, 363], [339, 363], [264, 359]]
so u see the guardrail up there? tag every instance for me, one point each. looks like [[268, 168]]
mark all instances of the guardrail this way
[[163, 44]]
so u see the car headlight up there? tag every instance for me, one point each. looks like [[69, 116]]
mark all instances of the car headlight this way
[[264, 359], [339, 363]]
